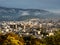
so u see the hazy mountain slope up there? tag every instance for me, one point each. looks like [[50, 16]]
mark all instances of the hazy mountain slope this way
[[8, 14]]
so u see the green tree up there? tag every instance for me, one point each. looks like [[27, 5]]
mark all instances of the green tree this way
[[53, 40]]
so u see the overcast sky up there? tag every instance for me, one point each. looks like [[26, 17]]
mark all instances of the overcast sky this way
[[52, 5]]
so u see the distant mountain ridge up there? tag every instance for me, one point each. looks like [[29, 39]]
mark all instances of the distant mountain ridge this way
[[16, 14]]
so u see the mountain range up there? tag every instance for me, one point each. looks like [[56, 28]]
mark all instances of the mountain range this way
[[16, 14]]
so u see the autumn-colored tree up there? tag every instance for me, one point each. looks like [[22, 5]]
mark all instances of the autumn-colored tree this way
[[11, 39]]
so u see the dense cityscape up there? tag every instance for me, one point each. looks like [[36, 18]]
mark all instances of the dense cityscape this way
[[34, 27], [38, 28]]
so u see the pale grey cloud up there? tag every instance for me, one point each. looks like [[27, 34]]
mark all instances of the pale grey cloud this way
[[55, 11], [37, 4]]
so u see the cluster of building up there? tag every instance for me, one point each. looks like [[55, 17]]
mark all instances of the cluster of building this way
[[36, 27]]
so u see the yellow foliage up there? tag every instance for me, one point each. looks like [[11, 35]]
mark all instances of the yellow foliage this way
[[12, 39]]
